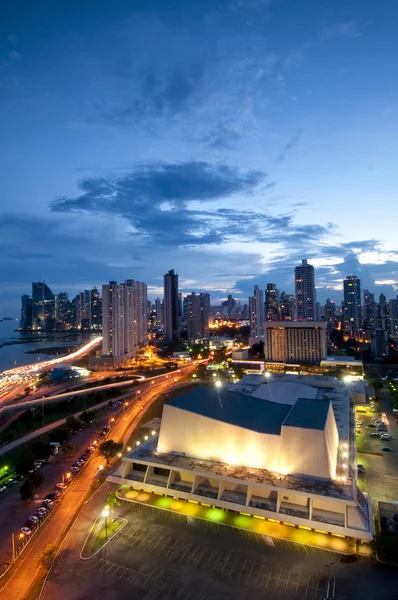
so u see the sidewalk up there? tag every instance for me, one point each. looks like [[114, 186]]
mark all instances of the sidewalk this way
[[241, 521]]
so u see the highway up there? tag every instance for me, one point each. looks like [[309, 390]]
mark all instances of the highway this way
[[15, 377], [52, 532]]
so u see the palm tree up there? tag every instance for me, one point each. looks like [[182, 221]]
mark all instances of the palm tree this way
[[112, 500]]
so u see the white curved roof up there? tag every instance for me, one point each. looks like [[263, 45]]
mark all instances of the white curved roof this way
[[284, 392]]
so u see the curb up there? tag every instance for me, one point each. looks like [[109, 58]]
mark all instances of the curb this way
[[106, 543]]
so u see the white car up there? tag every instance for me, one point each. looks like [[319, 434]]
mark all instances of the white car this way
[[61, 486], [75, 469], [34, 519], [385, 436], [26, 530]]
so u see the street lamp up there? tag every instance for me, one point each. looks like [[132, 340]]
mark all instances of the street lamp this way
[[100, 468], [105, 514], [328, 566], [218, 384], [128, 448]]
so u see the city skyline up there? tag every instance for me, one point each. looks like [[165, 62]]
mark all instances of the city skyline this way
[[224, 150]]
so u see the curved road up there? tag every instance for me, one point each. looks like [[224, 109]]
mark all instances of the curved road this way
[[52, 532]]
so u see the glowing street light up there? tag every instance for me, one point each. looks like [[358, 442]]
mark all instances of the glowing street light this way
[[100, 467], [105, 514], [153, 432], [128, 448], [218, 384], [137, 443], [267, 374], [145, 437]]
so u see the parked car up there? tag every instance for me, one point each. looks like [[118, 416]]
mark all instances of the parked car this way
[[61, 486], [53, 495], [34, 519], [41, 513], [385, 436], [10, 483], [374, 435], [386, 449], [49, 458], [75, 469], [26, 531], [3, 488], [48, 504], [372, 425]]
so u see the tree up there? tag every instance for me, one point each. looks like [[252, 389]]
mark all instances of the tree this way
[[61, 434], [87, 416], [375, 384], [68, 449], [40, 449], [23, 464], [112, 500], [47, 556], [109, 449], [73, 424], [26, 490], [36, 478]]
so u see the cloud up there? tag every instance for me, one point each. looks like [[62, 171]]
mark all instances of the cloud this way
[[292, 143], [159, 97], [222, 137], [14, 55], [345, 29]]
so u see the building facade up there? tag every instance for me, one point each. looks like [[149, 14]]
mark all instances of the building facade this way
[[295, 342], [124, 318], [171, 307], [26, 312], [271, 302], [43, 306], [256, 310], [198, 312], [286, 307], [304, 283], [394, 318], [352, 306]]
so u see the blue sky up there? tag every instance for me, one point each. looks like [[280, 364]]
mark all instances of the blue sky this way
[[226, 139]]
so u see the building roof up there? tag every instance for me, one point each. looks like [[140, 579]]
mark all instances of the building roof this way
[[236, 409], [308, 414], [284, 392]]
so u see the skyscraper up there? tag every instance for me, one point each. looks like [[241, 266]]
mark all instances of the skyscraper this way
[[43, 306], [295, 342], [95, 309], [171, 306], [352, 306], [198, 309], [394, 318], [383, 313], [330, 315], [271, 302], [256, 309], [158, 311], [304, 282], [286, 307], [124, 318], [369, 310], [61, 300], [26, 312]]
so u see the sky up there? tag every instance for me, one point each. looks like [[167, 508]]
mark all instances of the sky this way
[[227, 139]]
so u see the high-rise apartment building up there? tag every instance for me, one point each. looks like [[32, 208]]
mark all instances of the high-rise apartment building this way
[[394, 318], [369, 311], [304, 282], [286, 307], [61, 302], [271, 302], [158, 311], [198, 311], [352, 306], [330, 315], [124, 318], [26, 312], [171, 307], [43, 306], [383, 317], [135, 316], [256, 310], [95, 309], [295, 342]]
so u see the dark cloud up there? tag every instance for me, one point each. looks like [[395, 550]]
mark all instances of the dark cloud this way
[[222, 137], [156, 97], [292, 143]]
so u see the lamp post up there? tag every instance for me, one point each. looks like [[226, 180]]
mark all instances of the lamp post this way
[[329, 565], [105, 514]]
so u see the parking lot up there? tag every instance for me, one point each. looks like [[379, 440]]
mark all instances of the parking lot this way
[[381, 477], [166, 556]]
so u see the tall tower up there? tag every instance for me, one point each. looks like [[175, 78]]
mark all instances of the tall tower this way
[[198, 308], [369, 310], [256, 309], [352, 306], [171, 306], [43, 305], [304, 282], [271, 303]]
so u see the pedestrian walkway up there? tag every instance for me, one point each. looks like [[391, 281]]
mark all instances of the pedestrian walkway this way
[[271, 528]]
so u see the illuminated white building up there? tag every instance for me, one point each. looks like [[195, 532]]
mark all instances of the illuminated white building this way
[[124, 318], [274, 450], [295, 342]]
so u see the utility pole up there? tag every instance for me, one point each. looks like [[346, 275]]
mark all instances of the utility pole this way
[[13, 547]]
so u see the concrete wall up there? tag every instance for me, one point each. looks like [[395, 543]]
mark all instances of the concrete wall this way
[[207, 439], [304, 452]]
